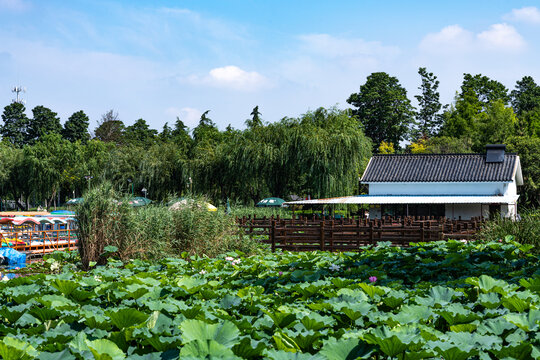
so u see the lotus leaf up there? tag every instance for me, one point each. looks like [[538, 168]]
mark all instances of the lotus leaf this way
[[104, 349]]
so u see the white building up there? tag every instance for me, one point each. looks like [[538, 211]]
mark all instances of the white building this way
[[451, 185]]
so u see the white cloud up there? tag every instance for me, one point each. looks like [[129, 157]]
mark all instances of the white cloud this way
[[17, 5], [450, 39], [231, 77], [528, 14], [502, 37], [454, 39], [190, 116]]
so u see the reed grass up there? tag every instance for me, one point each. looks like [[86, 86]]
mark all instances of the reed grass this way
[[153, 232], [524, 231]]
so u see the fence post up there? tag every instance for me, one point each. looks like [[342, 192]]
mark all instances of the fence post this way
[[441, 232], [358, 233], [273, 235], [322, 235], [422, 232], [332, 235], [371, 232]]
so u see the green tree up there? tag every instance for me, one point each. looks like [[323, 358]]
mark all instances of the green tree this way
[[206, 131], [447, 145], [110, 128], [485, 89], [428, 118], [384, 110], [44, 121], [459, 119], [76, 127], [526, 96], [48, 163], [140, 134], [494, 125], [166, 133], [180, 136], [163, 171], [15, 127], [528, 149], [255, 120]]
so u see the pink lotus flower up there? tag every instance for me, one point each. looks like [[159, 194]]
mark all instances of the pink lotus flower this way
[[372, 279], [280, 273]]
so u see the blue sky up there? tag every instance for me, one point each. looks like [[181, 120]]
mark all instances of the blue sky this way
[[161, 59]]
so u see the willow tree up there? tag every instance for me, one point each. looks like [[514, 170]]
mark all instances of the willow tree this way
[[330, 148], [163, 171]]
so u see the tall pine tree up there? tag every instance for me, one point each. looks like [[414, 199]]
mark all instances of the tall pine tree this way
[[428, 118]]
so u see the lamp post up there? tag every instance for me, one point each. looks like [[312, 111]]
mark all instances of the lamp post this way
[[131, 182], [144, 191], [88, 178]]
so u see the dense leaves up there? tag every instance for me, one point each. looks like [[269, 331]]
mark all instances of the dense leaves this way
[[449, 300]]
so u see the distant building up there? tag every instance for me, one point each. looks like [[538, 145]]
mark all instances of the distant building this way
[[451, 185]]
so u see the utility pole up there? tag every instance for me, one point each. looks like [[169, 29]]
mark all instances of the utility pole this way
[[18, 90]]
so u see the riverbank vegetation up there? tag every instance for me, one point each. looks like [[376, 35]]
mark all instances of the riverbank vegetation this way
[[106, 221]]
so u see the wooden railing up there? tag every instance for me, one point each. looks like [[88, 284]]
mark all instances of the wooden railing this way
[[39, 242], [305, 234]]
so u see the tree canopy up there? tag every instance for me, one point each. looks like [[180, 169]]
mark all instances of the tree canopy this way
[[383, 109]]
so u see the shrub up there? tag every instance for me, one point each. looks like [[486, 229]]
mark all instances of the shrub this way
[[524, 231]]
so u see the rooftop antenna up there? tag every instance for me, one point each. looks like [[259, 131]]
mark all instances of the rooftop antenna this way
[[18, 90]]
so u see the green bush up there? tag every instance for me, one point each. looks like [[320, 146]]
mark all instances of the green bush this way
[[524, 231], [152, 232]]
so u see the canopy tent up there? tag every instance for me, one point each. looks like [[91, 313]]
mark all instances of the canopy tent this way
[[271, 202]]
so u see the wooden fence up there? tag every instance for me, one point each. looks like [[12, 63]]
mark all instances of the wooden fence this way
[[306, 234]]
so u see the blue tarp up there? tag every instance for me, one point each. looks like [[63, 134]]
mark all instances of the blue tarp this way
[[13, 256]]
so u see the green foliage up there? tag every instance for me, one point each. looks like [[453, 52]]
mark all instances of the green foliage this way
[[44, 121], [526, 231], [383, 109], [140, 134], [269, 306], [110, 128], [447, 145], [528, 149], [428, 118], [484, 89], [15, 127], [526, 96], [76, 127]]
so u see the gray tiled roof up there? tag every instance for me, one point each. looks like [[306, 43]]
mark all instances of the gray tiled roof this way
[[438, 168]]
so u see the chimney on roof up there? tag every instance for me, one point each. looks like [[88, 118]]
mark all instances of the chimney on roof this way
[[495, 153]]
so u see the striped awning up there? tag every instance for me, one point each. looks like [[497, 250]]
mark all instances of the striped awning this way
[[410, 199]]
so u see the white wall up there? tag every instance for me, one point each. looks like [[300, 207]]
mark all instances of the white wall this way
[[464, 188]]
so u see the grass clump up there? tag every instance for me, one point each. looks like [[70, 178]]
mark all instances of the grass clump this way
[[525, 231], [152, 232]]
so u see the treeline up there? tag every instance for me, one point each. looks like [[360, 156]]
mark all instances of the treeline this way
[[320, 153]]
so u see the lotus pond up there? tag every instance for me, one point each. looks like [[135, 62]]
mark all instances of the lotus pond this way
[[430, 301]]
